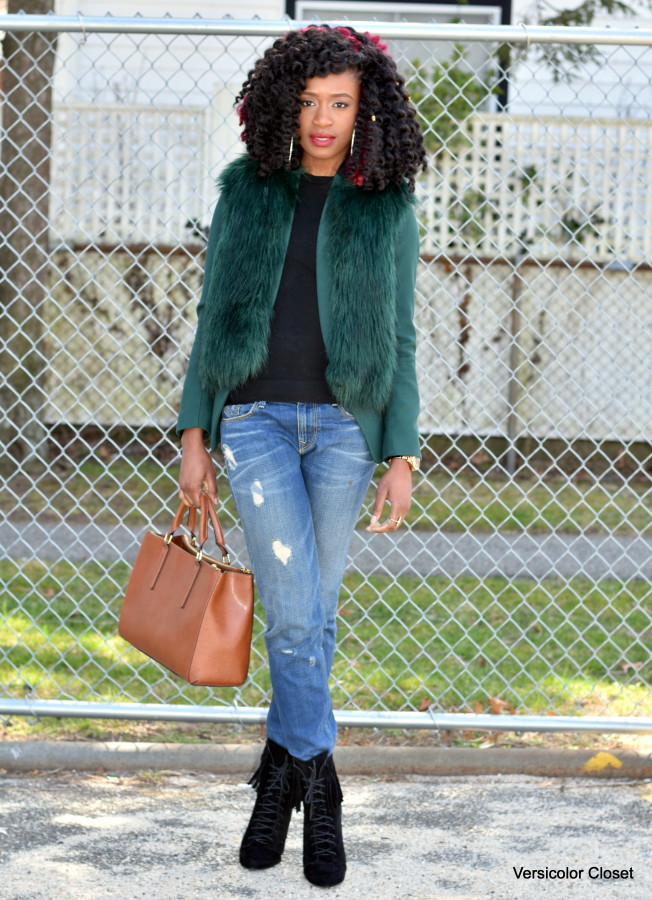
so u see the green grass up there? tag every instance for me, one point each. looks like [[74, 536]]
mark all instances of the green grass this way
[[138, 492], [107, 492], [461, 641], [461, 502], [568, 646]]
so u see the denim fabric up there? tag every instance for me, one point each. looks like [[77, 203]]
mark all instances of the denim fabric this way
[[298, 474]]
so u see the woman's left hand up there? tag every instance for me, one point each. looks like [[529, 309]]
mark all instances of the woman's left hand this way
[[396, 487]]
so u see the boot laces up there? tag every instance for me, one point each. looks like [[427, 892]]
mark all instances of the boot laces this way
[[320, 816], [274, 795]]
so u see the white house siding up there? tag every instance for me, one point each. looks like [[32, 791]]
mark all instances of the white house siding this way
[[110, 67]]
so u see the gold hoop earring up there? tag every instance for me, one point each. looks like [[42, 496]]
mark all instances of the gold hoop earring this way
[[291, 149], [352, 140]]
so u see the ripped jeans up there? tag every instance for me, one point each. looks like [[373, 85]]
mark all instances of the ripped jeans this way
[[298, 474]]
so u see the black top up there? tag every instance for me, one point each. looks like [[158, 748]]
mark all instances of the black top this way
[[296, 360]]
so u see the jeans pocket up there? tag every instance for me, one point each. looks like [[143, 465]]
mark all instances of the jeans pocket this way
[[345, 412], [235, 412]]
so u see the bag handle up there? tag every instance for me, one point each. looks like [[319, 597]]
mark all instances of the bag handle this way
[[206, 510], [178, 519]]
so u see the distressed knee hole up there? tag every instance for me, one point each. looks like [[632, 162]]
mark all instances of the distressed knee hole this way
[[282, 552], [312, 660], [257, 493]]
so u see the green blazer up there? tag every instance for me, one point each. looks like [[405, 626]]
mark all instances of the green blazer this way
[[390, 433]]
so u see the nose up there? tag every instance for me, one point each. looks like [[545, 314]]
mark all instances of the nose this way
[[322, 114]]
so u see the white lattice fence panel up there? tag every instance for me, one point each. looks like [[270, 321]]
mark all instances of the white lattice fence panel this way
[[556, 186]]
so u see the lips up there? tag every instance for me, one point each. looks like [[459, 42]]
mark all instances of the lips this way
[[322, 140]]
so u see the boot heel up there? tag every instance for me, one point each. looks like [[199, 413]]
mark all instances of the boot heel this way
[[275, 783]]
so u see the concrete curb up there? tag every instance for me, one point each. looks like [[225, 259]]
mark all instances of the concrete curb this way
[[242, 759]]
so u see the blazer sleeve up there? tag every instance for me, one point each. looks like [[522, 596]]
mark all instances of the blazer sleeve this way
[[400, 431], [196, 403]]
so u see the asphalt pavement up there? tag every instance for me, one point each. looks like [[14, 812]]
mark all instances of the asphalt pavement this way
[[405, 552], [68, 835]]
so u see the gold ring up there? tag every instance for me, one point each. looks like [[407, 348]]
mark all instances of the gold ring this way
[[398, 521]]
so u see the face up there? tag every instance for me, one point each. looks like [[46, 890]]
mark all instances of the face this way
[[328, 107]]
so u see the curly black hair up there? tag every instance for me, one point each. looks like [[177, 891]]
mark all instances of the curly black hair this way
[[388, 147]]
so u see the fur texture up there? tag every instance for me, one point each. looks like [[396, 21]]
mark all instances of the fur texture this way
[[363, 229]]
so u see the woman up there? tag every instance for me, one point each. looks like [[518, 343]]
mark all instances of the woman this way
[[303, 370]]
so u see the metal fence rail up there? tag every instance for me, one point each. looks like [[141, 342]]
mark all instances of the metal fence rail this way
[[521, 583]]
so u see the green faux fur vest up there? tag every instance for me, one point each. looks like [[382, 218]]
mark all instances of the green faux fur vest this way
[[362, 228]]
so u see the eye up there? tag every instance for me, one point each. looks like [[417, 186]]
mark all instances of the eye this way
[[341, 104], [305, 102]]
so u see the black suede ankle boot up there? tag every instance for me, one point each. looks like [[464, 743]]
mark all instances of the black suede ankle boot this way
[[275, 781], [324, 860]]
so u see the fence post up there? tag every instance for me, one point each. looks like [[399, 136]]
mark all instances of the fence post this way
[[28, 65]]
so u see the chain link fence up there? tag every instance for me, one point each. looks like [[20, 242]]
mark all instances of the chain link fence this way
[[521, 582]]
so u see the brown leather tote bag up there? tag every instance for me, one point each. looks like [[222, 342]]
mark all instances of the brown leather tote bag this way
[[185, 609]]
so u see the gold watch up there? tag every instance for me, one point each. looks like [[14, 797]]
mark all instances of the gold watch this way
[[413, 461]]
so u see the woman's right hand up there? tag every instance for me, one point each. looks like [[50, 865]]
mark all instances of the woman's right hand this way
[[197, 472]]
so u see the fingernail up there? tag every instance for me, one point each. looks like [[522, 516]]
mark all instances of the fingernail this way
[[374, 519]]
